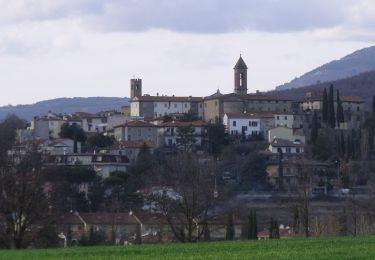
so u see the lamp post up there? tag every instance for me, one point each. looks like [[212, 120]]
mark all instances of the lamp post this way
[[62, 236]]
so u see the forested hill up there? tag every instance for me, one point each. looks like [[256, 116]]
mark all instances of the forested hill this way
[[353, 64], [362, 85], [65, 105]]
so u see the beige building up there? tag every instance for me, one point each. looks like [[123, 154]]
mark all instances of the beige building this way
[[159, 106], [136, 130], [285, 133], [314, 101]]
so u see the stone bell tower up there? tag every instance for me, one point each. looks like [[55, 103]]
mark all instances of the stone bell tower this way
[[240, 77], [135, 88]]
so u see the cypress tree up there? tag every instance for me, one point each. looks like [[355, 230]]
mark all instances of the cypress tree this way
[[314, 128], [230, 228], [331, 108], [274, 229], [325, 106], [342, 143], [340, 110], [253, 226], [373, 107]]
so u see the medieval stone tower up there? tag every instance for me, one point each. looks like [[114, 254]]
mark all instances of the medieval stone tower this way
[[240, 77], [135, 88]]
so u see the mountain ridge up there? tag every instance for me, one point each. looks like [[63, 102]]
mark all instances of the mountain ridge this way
[[353, 64], [64, 105]]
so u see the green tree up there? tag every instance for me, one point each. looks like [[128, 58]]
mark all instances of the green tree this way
[[253, 172], [100, 141], [252, 232], [216, 138], [314, 128], [230, 232], [340, 110], [325, 106], [73, 132], [331, 108], [186, 138], [274, 229]]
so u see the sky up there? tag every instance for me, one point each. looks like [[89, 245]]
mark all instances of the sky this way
[[70, 48]]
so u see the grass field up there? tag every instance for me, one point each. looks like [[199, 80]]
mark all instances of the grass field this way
[[324, 248]]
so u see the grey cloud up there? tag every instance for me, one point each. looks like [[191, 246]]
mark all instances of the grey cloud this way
[[198, 16], [220, 16]]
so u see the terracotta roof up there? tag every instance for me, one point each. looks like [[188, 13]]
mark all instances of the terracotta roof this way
[[283, 143], [318, 96], [136, 123], [183, 123], [124, 218], [133, 144], [241, 97], [250, 115], [168, 99]]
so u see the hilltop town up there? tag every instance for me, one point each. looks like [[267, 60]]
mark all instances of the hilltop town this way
[[191, 168]]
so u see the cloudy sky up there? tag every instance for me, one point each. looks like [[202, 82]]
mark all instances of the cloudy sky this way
[[66, 48]]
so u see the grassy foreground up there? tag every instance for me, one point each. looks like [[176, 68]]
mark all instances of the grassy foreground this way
[[322, 248]]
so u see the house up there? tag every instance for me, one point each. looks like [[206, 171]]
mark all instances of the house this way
[[286, 133], [137, 130], [147, 106], [131, 149], [103, 164], [60, 146], [168, 132], [248, 124], [290, 120], [286, 146], [319, 173], [120, 228]]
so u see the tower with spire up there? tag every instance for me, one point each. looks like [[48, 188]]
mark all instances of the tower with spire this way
[[240, 77]]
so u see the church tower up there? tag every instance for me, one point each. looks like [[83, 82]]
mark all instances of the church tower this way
[[135, 88], [240, 77]]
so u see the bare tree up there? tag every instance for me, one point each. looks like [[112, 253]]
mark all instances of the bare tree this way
[[23, 203], [193, 184]]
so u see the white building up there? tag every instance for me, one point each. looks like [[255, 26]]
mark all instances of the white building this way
[[286, 146], [248, 124], [168, 132], [158, 106]]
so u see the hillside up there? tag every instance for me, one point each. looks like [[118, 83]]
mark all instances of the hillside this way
[[362, 85], [353, 64], [65, 105]]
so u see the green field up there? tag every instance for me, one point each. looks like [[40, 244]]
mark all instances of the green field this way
[[324, 248]]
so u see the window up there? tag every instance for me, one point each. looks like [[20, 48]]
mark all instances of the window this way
[[254, 123], [358, 108], [156, 105], [215, 103], [241, 79], [277, 117], [254, 132], [285, 118], [234, 123], [249, 123], [244, 129], [297, 150], [288, 150], [200, 105]]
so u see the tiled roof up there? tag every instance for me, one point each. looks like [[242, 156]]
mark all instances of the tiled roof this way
[[136, 123], [250, 115], [168, 99], [241, 97], [183, 123], [133, 144], [285, 143]]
